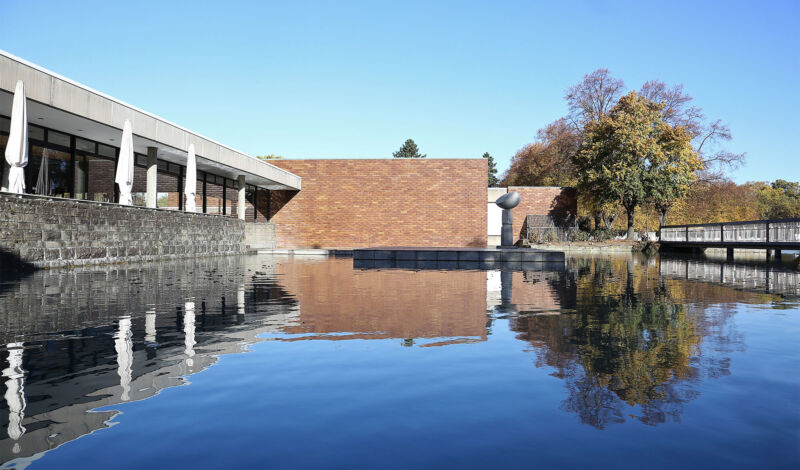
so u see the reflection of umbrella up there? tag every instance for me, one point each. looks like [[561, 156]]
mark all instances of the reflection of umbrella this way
[[17, 146], [124, 347], [150, 326], [188, 330], [124, 176], [43, 181], [15, 391], [190, 188]]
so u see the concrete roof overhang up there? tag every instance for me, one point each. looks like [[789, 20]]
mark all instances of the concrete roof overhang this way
[[67, 106]]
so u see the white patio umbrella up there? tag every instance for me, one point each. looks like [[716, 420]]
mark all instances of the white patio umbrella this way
[[43, 181], [17, 146], [190, 186], [124, 176]]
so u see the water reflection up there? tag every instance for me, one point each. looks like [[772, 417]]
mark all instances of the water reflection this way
[[15, 393], [627, 338]]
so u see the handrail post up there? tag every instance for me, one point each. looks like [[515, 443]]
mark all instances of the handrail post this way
[[722, 233], [686, 235], [767, 224]]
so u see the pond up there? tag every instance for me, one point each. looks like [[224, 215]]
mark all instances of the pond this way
[[290, 362]]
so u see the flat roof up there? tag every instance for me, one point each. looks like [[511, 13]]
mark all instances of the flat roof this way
[[62, 104]]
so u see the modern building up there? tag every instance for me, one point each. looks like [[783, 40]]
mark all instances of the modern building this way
[[78, 130], [70, 215]]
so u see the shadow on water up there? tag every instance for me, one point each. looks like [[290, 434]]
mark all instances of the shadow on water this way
[[629, 338]]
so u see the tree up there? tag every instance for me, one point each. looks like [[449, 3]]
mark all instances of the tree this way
[[669, 177], [493, 181], [719, 201], [631, 153], [779, 200], [592, 99], [548, 161], [408, 150], [270, 157], [707, 137]]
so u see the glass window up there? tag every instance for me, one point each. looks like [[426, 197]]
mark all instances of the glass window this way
[[106, 151], [94, 178], [140, 160], [162, 165], [48, 172], [35, 132], [169, 194], [58, 138], [5, 123], [84, 145]]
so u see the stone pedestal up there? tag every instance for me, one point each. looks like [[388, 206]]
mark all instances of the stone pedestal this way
[[507, 233]]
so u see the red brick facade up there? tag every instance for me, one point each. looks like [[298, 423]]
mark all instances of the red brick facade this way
[[543, 200], [382, 202]]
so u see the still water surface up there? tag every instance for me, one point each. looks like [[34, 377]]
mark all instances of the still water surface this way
[[311, 363]]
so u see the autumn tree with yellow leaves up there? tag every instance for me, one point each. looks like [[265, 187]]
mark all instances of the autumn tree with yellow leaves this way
[[631, 156]]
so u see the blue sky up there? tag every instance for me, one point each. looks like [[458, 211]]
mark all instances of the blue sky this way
[[355, 79]]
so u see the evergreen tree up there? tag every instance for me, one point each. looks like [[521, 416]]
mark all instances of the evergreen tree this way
[[408, 150], [493, 181]]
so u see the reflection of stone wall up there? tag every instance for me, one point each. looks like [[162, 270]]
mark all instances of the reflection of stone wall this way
[[386, 303], [49, 232], [70, 321]]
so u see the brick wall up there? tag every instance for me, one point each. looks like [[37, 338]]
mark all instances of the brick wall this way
[[542, 200], [382, 202], [48, 232]]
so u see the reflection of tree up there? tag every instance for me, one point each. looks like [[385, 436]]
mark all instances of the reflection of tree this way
[[638, 351], [629, 349]]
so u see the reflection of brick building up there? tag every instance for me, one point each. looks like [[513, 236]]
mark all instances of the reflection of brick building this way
[[385, 304]]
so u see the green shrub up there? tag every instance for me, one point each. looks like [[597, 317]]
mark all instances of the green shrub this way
[[603, 234], [579, 236]]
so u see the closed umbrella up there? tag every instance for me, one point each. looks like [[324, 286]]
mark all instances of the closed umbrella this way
[[17, 146], [124, 176], [43, 181], [190, 187]]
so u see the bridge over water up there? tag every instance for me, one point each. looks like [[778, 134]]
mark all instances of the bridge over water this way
[[771, 235]]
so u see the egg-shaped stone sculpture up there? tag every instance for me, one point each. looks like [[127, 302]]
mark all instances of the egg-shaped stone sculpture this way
[[508, 200]]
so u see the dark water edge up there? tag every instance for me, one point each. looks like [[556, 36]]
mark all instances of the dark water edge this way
[[609, 362]]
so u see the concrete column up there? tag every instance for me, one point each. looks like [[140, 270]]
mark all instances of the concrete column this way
[[240, 207], [152, 176]]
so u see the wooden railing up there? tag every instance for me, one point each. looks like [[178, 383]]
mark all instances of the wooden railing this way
[[758, 232]]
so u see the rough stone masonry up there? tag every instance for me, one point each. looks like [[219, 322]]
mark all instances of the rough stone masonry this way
[[40, 231]]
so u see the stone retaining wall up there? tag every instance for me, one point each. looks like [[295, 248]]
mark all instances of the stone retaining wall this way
[[41, 231]]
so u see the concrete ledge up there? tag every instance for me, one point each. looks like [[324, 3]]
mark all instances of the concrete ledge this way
[[293, 252], [458, 265], [458, 256]]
